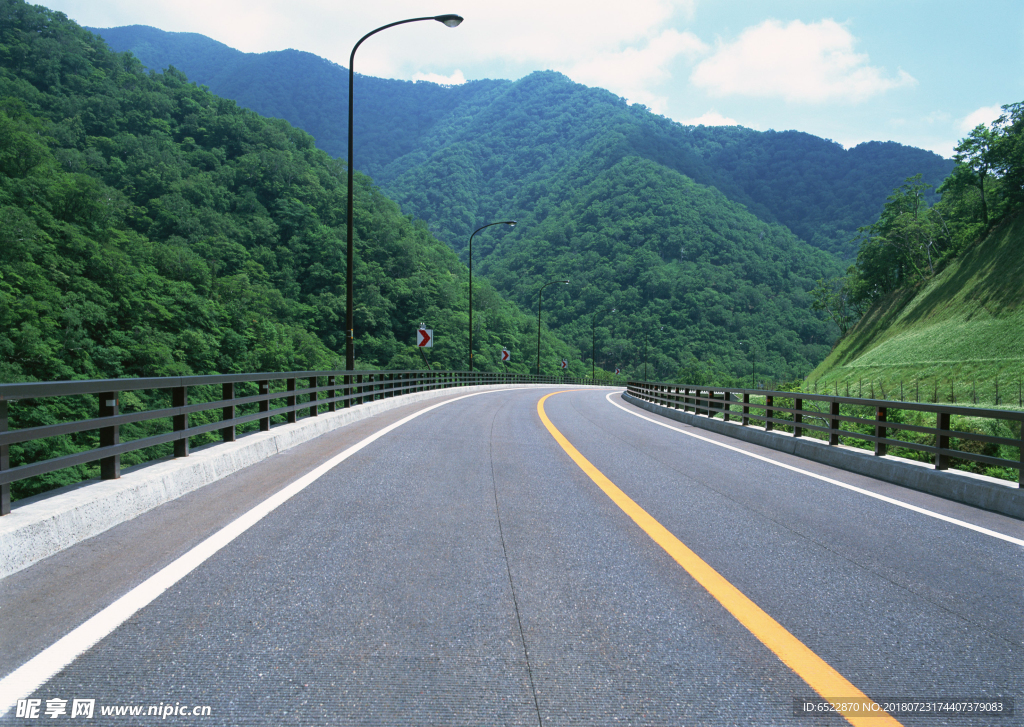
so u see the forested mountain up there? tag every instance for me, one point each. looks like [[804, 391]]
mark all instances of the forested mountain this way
[[817, 189], [700, 282], [151, 228]]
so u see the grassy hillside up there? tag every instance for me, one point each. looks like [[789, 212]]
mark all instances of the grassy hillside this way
[[954, 337]]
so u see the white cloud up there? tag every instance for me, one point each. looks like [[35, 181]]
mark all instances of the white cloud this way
[[456, 79], [985, 115], [710, 118], [812, 63], [631, 69], [511, 39]]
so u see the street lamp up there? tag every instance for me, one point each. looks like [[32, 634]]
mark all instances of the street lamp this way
[[539, 294], [510, 223], [350, 352]]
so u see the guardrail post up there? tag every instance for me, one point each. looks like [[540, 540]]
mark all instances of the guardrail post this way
[[264, 387], [725, 406], [227, 434], [5, 464], [289, 401], [745, 419], [179, 398], [798, 417], [314, 408], [1020, 459], [110, 467], [359, 388], [331, 393], [769, 412], [348, 390], [833, 423], [942, 459], [880, 431]]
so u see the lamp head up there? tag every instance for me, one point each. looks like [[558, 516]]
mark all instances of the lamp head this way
[[450, 20], [511, 223]]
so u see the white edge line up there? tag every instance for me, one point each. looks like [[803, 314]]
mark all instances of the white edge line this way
[[31, 675], [869, 493]]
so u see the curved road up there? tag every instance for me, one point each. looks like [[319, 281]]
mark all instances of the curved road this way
[[463, 569]]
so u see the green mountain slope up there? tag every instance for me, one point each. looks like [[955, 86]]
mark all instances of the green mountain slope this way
[[151, 228], [813, 186], [394, 119], [702, 276], [953, 337]]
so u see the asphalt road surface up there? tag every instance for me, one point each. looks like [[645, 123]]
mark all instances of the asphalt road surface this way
[[464, 569]]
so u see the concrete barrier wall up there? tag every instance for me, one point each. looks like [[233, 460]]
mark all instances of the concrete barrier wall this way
[[976, 490]]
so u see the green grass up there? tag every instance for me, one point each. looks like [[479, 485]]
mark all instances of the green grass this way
[[958, 338]]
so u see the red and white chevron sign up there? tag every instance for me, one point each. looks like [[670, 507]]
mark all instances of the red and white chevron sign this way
[[617, 371], [425, 337], [505, 355], [565, 364]]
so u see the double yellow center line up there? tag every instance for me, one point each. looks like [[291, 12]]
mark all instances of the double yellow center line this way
[[810, 667]]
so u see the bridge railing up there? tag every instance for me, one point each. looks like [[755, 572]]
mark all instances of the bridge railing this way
[[879, 423], [293, 395]]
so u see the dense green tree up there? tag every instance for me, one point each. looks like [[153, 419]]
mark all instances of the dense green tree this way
[[910, 241]]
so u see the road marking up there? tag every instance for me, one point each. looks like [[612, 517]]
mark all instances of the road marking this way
[[810, 667], [823, 478], [31, 675]]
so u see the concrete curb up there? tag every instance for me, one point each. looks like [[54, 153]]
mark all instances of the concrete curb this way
[[975, 490], [40, 526]]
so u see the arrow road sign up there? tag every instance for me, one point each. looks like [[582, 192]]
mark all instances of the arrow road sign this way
[[505, 355], [565, 364], [425, 338], [617, 371]]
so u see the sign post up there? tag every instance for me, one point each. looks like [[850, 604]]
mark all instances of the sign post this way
[[425, 339]]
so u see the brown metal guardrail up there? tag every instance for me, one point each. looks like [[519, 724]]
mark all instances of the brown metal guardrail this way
[[305, 394], [731, 403]]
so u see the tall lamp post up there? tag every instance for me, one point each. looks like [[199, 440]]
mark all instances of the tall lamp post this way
[[350, 352], [510, 223], [539, 295]]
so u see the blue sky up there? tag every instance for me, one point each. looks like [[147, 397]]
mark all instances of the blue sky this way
[[920, 73]]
